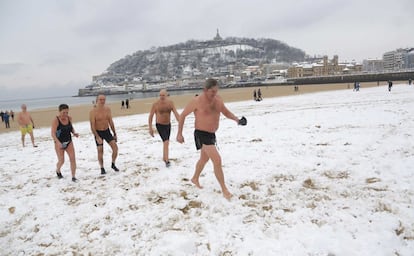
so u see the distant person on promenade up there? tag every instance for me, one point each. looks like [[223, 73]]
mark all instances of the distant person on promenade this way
[[61, 131], [26, 124], [100, 118], [207, 109], [410, 81], [259, 95], [6, 117], [162, 109], [389, 85], [358, 85]]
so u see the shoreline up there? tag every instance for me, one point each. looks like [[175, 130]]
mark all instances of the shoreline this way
[[80, 113]]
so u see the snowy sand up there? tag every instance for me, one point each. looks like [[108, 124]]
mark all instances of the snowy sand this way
[[327, 173]]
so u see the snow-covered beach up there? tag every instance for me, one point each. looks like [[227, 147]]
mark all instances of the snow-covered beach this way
[[327, 173]]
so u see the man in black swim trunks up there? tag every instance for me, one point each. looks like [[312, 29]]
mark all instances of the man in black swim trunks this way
[[207, 109], [100, 118], [162, 109]]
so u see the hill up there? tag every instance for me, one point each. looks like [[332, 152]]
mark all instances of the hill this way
[[197, 59]]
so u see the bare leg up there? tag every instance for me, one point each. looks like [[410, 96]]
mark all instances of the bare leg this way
[[100, 155], [60, 156], [199, 167], [32, 139], [23, 140], [215, 157], [60, 162], [114, 148], [71, 153], [165, 156]]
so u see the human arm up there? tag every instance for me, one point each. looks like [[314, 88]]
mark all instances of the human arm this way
[[53, 130], [73, 129], [174, 110], [92, 121], [31, 120], [187, 110], [111, 123], [228, 114], [150, 117]]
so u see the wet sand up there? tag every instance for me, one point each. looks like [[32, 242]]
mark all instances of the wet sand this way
[[43, 118]]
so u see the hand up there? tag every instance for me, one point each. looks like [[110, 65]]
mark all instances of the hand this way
[[242, 121], [180, 138], [99, 140], [76, 134], [151, 132]]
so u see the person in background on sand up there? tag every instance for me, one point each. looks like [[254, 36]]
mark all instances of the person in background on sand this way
[[207, 109], [254, 95], [259, 95], [122, 104], [61, 131], [6, 117], [26, 124], [100, 119], [127, 103], [162, 109], [389, 85], [410, 81], [12, 115]]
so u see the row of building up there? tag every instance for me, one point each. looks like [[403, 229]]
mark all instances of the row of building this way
[[399, 59]]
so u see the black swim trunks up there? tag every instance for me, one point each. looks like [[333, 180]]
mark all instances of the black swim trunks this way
[[202, 137], [105, 135], [164, 130]]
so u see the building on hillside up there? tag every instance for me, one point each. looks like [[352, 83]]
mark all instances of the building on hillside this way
[[218, 37], [323, 67]]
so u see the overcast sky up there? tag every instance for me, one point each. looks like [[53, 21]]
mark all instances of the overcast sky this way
[[56, 46]]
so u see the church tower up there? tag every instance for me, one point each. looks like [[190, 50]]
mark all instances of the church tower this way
[[217, 37]]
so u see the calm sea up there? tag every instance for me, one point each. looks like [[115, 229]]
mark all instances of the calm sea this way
[[54, 102]]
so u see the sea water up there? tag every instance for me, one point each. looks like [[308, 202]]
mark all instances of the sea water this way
[[54, 102]]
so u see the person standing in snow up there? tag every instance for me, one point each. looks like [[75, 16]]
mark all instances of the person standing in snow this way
[[207, 108], [162, 109], [61, 131], [26, 124], [100, 118]]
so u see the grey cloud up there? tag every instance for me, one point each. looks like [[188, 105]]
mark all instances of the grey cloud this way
[[10, 68]]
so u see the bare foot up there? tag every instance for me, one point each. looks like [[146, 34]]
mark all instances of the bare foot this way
[[227, 195], [196, 183]]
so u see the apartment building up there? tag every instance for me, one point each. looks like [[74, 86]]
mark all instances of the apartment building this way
[[323, 67], [399, 59]]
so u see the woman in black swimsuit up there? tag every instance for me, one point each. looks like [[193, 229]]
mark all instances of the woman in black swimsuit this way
[[62, 131]]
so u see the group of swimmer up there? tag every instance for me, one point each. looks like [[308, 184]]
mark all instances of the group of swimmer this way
[[206, 107]]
